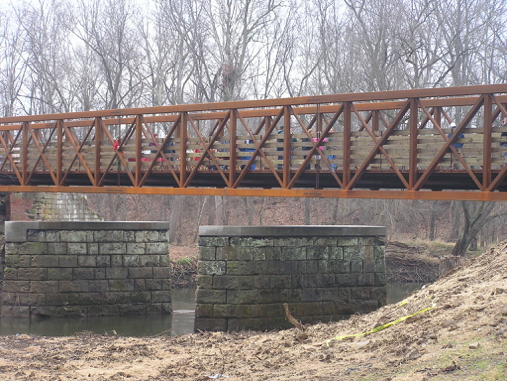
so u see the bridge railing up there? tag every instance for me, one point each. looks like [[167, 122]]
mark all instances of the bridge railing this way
[[335, 141]]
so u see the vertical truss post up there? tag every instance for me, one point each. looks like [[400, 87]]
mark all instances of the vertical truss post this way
[[24, 154], [139, 144], [318, 135], [437, 115], [59, 152], [375, 120], [347, 134], [99, 135], [182, 134], [486, 141], [286, 147], [412, 160], [233, 125]]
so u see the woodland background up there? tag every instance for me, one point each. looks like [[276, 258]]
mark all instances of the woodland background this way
[[62, 56]]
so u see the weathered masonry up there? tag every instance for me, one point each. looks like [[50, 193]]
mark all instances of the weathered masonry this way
[[323, 272], [85, 269]]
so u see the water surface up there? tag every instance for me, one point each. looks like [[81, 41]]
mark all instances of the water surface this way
[[179, 323]]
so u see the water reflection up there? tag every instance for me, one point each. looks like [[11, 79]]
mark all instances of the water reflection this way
[[181, 322], [183, 311]]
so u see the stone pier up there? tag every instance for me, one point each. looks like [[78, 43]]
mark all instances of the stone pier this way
[[323, 273], [85, 269]]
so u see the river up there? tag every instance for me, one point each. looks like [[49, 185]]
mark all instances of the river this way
[[179, 323]]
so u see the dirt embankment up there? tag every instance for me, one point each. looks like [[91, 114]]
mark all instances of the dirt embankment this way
[[456, 329]]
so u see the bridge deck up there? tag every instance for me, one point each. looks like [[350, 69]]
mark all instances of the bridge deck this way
[[395, 144]]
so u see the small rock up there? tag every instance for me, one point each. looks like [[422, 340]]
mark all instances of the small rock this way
[[301, 336], [451, 323], [325, 356], [448, 346], [413, 354], [474, 346], [497, 291], [362, 344]]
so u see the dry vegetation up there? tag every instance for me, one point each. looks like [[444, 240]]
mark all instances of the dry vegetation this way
[[463, 336]]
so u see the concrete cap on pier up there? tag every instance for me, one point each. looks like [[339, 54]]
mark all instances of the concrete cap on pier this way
[[16, 231]]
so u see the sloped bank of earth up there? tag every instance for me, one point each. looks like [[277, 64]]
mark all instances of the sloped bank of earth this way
[[460, 335]]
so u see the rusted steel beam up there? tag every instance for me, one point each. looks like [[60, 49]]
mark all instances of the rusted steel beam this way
[[394, 167], [232, 147], [248, 113], [375, 120], [448, 146], [37, 139], [8, 144], [138, 149], [322, 99], [412, 160], [99, 135], [182, 134], [320, 193], [360, 145], [364, 165], [24, 154], [347, 130], [486, 141], [286, 146]]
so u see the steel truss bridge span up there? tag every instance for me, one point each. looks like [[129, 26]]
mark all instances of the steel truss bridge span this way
[[390, 144]]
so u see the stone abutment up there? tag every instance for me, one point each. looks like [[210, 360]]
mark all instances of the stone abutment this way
[[85, 269], [323, 273]]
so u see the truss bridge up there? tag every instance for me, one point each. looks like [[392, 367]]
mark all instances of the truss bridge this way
[[444, 143]]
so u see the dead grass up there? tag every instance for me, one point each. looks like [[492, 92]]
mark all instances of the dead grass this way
[[463, 336]]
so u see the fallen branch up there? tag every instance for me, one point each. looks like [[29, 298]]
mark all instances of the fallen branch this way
[[291, 319]]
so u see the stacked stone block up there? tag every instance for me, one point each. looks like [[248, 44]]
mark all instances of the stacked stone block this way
[[39, 206], [86, 269], [324, 273]]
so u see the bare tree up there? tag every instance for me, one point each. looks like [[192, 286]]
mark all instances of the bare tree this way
[[108, 29], [476, 215], [374, 32], [13, 67], [48, 58]]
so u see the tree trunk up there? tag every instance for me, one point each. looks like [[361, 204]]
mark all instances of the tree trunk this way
[[220, 210], [262, 210], [433, 223], [249, 209], [472, 224], [211, 210], [334, 214], [308, 204], [175, 220], [456, 222]]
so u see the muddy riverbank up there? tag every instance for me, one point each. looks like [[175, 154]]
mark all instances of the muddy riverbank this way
[[453, 329]]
